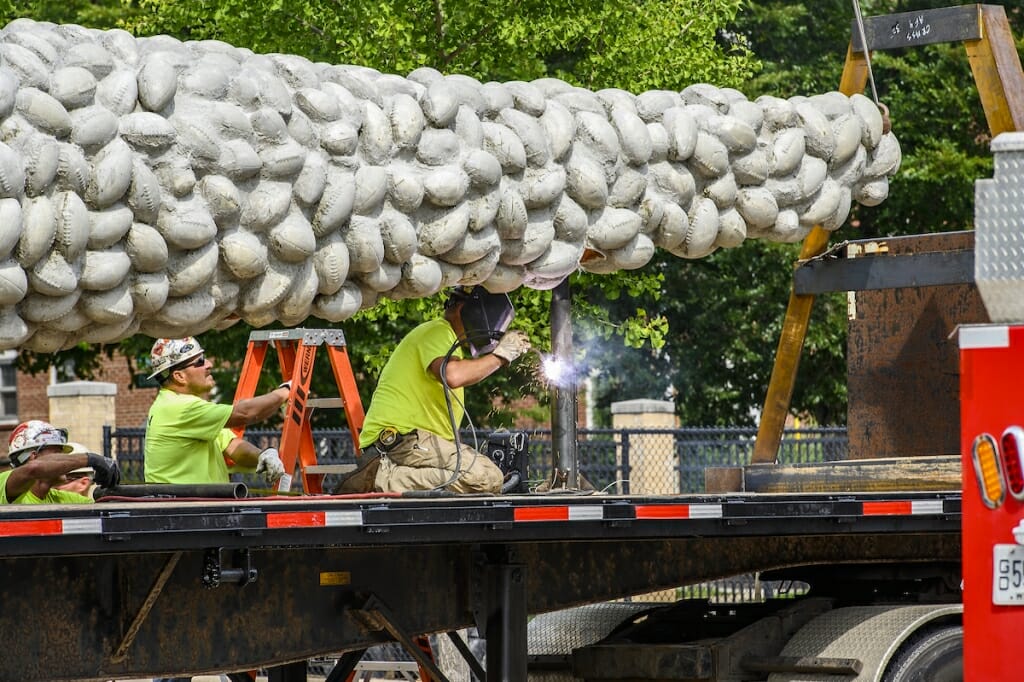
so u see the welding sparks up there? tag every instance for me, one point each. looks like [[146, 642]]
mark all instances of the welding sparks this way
[[557, 371]]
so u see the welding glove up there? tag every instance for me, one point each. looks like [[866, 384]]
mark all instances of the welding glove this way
[[108, 474], [513, 344], [270, 466]]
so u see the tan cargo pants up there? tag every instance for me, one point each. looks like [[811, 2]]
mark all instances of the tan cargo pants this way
[[424, 461]]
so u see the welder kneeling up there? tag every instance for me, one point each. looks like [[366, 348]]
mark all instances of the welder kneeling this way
[[409, 436]]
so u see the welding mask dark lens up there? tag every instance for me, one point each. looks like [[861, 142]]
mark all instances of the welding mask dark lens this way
[[485, 317]]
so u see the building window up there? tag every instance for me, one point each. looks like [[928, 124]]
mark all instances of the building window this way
[[8, 388]]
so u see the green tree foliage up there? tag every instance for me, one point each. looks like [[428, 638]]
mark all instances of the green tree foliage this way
[[725, 311], [707, 329], [635, 46]]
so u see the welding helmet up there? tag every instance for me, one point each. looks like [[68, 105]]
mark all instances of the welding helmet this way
[[485, 316], [33, 435], [169, 353]]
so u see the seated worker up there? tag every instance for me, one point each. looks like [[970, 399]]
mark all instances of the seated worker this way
[[188, 437], [420, 396], [79, 480], [40, 460]]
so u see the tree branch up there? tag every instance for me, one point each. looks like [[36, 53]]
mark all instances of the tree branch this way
[[484, 30], [439, 29]]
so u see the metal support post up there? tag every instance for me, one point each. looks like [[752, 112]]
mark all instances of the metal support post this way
[[289, 672], [563, 413], [506, 621], [346, 665]]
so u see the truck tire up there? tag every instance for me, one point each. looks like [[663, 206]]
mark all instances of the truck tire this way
[[932, 655]]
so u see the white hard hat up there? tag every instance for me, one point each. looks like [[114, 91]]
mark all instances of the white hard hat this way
[[169, 353], [79, 449], [32, 435]]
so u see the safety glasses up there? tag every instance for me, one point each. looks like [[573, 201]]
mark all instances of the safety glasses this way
[[198, 362]]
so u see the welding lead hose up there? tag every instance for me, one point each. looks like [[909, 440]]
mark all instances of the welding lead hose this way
[[236, 491], [464, 338], [511, 483]]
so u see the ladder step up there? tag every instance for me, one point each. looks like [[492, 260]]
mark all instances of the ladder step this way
[[326, 402], [330, 468]]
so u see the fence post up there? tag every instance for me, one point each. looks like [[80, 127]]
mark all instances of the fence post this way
[[83, 407], [652, 466], [623, 464]]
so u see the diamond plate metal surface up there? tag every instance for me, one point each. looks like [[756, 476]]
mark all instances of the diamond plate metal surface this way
[[560, 632], [999, 231], [871, 634]]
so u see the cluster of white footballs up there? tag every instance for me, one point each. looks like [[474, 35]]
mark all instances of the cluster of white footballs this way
[[165, 187]]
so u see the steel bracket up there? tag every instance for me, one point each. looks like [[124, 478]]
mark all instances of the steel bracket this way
[[215, 574], [375, 616]]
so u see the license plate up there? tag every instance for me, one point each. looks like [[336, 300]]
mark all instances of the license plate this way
[[1008, 575]]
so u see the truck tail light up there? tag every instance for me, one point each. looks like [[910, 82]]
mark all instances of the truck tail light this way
[[1012, 449], [989, 470]]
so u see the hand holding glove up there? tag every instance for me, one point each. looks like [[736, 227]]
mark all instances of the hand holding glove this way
[[270, 466], [513, 344], [108, 474]]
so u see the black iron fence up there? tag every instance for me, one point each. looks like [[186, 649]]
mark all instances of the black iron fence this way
[[626, 461]]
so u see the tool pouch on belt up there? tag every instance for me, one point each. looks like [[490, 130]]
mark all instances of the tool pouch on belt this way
[[361, 480]]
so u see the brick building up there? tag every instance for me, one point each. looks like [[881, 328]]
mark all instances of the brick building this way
[[25, 396]]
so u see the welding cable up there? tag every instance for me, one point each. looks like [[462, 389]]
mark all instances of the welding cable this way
[[513, 480], [456, 471], [489, 334]]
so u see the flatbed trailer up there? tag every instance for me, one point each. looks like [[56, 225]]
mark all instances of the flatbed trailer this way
[[185, 587]]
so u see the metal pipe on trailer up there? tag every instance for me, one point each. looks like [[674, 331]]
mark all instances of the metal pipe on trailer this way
[[565, 467]]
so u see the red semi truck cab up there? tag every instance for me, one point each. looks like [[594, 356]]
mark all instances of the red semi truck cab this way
[[992, 427], [992, 436]]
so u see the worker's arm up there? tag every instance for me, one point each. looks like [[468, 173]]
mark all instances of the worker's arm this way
[[466, 372], [461, 372], [41, 469], [242, 452], [252, 410]]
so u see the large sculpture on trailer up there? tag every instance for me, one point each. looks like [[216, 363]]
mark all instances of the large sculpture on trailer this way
[[165, 187]]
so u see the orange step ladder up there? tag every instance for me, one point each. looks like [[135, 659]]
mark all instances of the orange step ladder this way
[[296, 353]]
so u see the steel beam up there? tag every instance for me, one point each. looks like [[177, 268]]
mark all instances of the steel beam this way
[[882, 271]]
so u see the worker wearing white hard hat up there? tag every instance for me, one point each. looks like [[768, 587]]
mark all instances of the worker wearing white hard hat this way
[[188, 437], [41, 458], [79, 480]]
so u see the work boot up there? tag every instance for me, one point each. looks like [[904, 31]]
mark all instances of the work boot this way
[[360, 480]]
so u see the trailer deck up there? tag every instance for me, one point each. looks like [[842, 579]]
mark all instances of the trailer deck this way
[[171, 586]]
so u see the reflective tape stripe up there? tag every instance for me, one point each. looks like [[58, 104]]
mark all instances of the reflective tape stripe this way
[[33, 527], [705, 511], [344, 518], [587, 513], [663, 511], [295, 519], [51, 527], [83, 526], [926, 507], [541, 514], [894, 508]]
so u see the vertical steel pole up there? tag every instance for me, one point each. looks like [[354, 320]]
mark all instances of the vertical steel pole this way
[[563, 409]]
